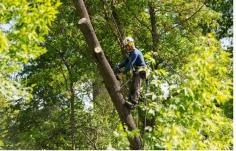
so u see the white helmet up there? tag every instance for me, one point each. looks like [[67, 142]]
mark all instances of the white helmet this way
[[128, 41]]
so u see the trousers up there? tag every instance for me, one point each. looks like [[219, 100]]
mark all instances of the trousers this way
[[134, 92]]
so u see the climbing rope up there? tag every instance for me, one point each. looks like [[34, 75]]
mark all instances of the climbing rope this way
[[117, 29], [118, 32]]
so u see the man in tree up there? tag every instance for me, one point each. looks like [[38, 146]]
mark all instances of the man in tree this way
[[134, 67]]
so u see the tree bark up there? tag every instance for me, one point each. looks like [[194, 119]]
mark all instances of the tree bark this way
[[70, 83], [155, 36], [72, 104], [72, 116], [107, 73]]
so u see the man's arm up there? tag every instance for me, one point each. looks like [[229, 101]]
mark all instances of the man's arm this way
[[121, 67], [123, 63], [131, 62]]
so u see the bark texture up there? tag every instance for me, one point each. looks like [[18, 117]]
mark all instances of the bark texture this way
[[153, 20], [107, 73]]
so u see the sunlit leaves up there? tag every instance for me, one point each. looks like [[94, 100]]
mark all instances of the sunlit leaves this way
[[188, 99], [210, 69], [3, 42], [191, 117], [23, 25], [26, 24]]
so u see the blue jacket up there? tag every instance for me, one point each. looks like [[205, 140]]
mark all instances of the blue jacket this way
[[134, 59]]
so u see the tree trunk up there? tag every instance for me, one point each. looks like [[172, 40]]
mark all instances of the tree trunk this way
[[155, 36], [96, 90], [72, 115], [105, 69], [70, 87]]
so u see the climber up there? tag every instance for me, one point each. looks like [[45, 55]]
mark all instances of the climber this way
[[134, 67]]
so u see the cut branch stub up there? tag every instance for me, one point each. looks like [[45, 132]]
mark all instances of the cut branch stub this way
[[82, 20], [112, 85], [98, 50]]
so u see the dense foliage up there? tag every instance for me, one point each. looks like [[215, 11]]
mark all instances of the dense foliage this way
[[52, 96]]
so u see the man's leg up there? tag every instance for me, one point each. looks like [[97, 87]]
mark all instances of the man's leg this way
[[135, 88]]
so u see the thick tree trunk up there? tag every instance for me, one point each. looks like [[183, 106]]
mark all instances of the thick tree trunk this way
[[107, 73], [155, 36]]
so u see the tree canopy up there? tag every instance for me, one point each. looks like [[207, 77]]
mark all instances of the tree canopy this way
[[52, 95]]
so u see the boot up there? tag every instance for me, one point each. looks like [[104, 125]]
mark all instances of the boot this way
[[130, 105]]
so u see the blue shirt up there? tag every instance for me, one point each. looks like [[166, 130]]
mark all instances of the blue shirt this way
[[134, 59]]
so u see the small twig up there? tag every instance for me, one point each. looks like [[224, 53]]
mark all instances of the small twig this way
[[187, 19], [93, 144], [142, 23]]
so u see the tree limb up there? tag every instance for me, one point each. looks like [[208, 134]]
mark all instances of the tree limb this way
[[107, 73]]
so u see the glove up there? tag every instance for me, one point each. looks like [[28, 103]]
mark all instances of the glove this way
[[122, 70], [129, 73], [120, 76], [117, 70]]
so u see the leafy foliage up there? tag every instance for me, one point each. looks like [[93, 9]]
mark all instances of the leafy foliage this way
[[45, 68], [23, 27], [192, 117]]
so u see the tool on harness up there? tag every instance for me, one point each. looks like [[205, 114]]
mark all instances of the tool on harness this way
[[142, 71], [120, 75]]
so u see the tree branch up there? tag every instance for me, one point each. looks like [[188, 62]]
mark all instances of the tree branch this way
[[187, 19]]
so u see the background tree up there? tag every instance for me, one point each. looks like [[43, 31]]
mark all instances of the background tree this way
[[44, 61], [23, 26]]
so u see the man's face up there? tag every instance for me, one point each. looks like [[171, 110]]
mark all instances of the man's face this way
[[128, 48]]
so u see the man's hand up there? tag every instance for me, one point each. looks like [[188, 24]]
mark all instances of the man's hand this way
[[116, 70], [129, 73], [122, 70], [120, 76]]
